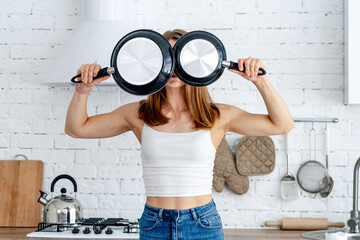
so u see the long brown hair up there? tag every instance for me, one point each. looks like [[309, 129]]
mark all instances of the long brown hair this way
[[198, 100]]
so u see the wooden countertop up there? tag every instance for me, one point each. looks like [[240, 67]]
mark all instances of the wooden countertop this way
[[230, 234]]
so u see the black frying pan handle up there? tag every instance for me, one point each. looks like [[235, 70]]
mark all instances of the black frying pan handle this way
[[234, 65], [103, 72]]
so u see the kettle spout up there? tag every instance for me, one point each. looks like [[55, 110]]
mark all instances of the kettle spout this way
[[42, 199]]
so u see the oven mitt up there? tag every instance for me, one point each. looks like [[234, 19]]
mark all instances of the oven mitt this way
[[225, 171], [255, 156]]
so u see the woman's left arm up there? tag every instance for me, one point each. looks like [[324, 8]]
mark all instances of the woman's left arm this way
[[278, 120]]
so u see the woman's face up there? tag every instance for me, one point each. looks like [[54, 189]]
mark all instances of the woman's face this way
[[174, 80]]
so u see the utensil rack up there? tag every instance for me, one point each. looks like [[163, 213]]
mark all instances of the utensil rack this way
[[334, 120]]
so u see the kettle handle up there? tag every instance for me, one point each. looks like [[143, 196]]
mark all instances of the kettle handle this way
[[61, 177]]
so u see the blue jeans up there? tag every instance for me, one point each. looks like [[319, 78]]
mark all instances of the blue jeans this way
[[202, 222]]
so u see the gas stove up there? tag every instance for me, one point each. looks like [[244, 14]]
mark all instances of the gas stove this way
[[92, 228]]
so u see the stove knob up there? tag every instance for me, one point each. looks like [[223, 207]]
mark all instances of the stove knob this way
[[75, 230], [87, 230], [97, 230], [109, 231]]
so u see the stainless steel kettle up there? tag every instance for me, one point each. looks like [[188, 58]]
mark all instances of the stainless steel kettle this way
[[62, 209]]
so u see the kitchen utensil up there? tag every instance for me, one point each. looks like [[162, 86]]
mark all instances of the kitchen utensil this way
[[327, 190], [304, 224], [225, 171], [62, 209], [201, 58], [312, 175], [288, 187], [91, 228], [142, 62], [18, 183], [255, 155]]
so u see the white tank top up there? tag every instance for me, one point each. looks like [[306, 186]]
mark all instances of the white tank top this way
[[177, 164]]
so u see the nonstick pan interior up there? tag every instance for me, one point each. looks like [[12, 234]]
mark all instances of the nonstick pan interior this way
[[144, 61], [201, 58]]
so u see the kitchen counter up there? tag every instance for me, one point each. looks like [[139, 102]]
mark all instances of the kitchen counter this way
[[230, 234]]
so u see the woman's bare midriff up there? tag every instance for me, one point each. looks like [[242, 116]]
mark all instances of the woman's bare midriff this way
[[179, 203]]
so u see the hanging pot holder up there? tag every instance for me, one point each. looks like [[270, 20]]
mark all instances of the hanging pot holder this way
[[225, 171], [255, 155]]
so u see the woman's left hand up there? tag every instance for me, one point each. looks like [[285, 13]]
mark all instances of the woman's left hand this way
[[252, 66]]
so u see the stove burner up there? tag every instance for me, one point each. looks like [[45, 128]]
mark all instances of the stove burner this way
[[53, 227], [116, 222], [97, 225], [92, 221]]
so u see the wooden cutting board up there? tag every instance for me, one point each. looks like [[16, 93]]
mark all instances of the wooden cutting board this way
[[20, 182]]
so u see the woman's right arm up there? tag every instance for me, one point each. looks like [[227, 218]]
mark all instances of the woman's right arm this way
[[80, 125]]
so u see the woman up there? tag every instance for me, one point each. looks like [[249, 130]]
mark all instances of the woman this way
[[179, 129]]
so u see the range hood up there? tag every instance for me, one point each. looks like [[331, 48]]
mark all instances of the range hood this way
[[104, 23]]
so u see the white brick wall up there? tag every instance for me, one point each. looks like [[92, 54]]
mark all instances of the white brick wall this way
[[300, 42]]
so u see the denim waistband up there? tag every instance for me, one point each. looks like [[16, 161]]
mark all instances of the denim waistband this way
[[174, 214]]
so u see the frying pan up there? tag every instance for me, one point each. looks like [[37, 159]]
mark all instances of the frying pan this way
[[141, 63], [201, 58]]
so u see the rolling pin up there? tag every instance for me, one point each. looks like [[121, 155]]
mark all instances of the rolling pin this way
[[304, 224]]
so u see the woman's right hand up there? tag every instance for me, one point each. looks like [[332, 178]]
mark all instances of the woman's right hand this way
[[88, 72]]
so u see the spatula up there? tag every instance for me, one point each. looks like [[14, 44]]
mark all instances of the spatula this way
[[288, 187]]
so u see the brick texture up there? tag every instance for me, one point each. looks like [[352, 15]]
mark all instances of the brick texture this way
[[300, 42]]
